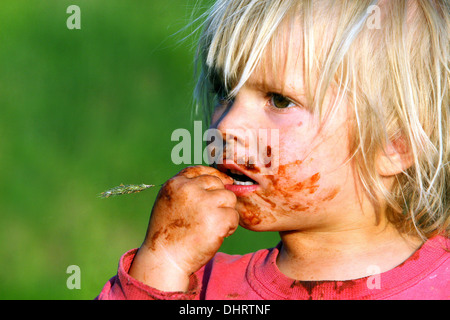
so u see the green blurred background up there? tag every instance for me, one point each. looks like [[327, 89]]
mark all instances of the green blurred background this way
[[82, 111]]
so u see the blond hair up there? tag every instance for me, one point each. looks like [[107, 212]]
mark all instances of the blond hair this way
[[395, 75]]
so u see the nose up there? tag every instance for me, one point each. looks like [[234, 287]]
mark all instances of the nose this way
[[237, 124], [238, 114]]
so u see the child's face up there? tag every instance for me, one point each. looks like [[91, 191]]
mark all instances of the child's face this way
[[314, 185]]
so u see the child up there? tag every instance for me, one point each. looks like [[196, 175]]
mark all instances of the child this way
[[358, 92]]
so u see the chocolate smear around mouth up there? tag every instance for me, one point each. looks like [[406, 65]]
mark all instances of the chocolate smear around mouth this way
[[250, 166]]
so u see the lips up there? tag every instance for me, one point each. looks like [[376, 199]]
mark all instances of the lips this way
[[243, 182]]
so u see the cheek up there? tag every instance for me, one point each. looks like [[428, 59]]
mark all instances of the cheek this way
[[300, 184], [289, 193], [285, 197]]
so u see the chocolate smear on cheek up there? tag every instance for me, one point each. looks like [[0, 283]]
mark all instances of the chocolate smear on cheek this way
[[286, 190], [284, 195], [254, 210], [296, 196], [332, 194]]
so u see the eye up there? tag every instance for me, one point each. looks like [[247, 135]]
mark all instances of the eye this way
[[280, 102]]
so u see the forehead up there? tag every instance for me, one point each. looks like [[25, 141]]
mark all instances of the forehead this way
[[278, 67], [246, 35], [281, 65], [280, 48]]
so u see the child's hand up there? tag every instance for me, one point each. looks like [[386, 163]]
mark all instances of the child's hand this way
[[192, 215]]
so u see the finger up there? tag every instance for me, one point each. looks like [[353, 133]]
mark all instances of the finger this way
[[209, 182], [192, 172], [223, 198], [233, 221]]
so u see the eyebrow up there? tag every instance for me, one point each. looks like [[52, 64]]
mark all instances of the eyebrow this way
[[275, 87]]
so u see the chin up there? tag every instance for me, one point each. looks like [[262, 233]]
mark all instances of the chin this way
[[258, 225]]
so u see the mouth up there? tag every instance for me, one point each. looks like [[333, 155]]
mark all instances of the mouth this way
[[239, 178], [242, 183]]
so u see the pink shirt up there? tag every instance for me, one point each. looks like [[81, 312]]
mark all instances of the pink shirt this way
[[255, 276]]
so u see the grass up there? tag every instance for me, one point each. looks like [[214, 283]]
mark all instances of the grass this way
[[81, 111]]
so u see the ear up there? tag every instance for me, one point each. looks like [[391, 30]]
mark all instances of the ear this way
[[395, 158]]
